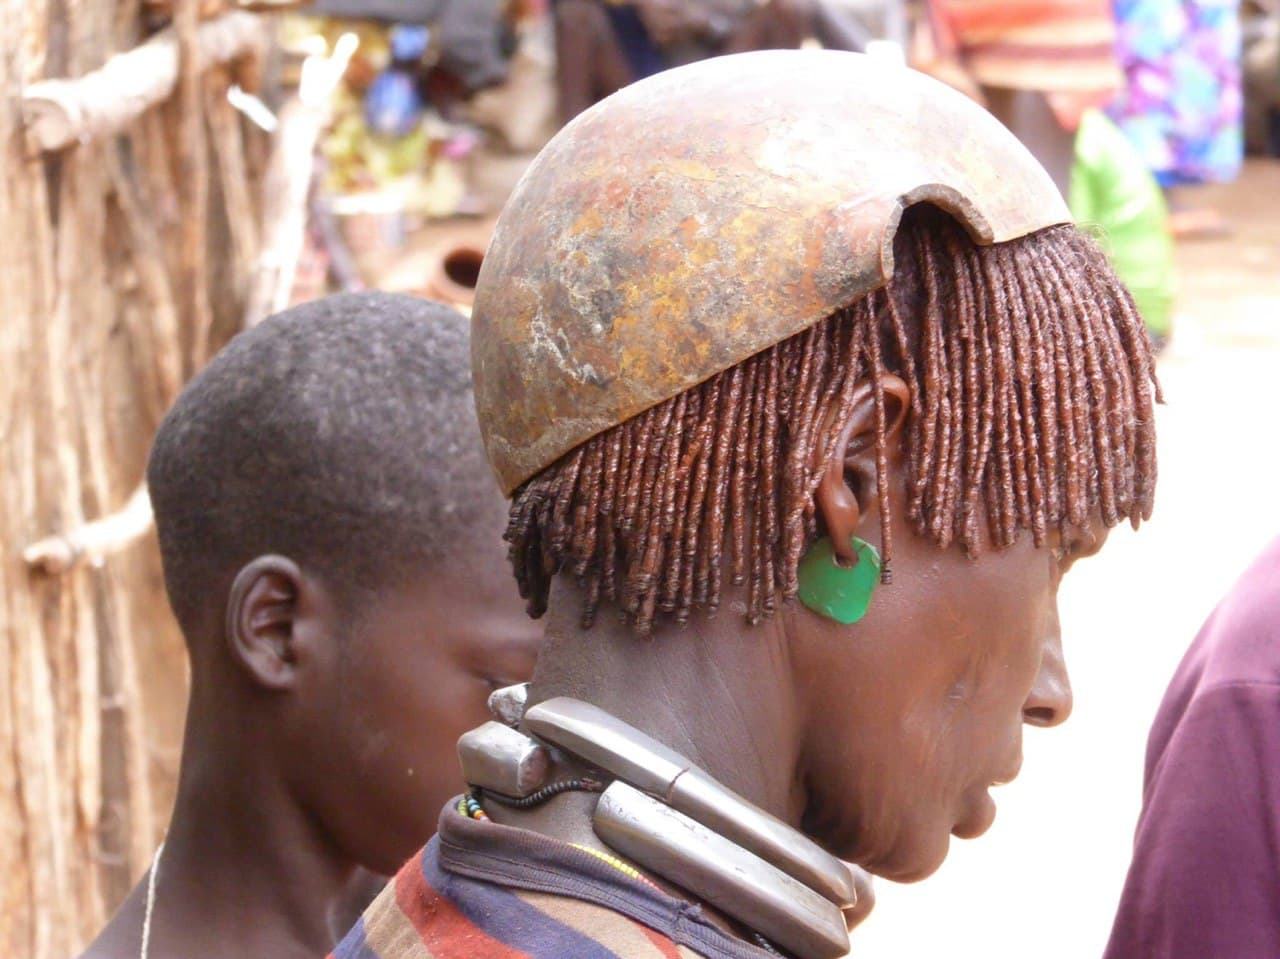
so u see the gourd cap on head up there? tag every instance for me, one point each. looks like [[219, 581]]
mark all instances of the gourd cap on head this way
[[704, 214]]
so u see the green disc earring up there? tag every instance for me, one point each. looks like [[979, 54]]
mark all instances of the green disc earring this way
[[841, 593]]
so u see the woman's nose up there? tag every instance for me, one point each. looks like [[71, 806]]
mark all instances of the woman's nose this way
[[1049, 702]]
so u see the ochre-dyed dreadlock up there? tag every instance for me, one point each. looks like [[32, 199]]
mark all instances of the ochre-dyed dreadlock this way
[[1032, 391]]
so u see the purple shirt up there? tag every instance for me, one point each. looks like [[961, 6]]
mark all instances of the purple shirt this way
[[1205, 877]]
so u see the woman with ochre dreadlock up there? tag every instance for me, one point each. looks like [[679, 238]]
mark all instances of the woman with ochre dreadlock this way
[[747, 339], [1029, 423]]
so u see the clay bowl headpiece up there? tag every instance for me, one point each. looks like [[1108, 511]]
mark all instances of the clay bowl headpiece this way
[[702, 215]]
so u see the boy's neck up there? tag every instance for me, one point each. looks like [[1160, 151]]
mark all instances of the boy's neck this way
[[244, 870]]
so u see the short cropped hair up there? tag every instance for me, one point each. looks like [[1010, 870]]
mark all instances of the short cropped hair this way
[[340, 433]]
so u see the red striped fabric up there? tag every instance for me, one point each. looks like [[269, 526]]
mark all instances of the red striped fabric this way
[[442, 928], [1054, 46], [484, 891]]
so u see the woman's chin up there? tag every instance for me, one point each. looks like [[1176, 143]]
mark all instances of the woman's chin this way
[[912, 865], [977, 819], [913, 862], [905, 850]]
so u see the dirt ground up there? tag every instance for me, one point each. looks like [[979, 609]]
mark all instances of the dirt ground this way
[[1045, 880]]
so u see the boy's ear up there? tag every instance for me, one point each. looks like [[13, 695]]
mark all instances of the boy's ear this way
[[262, 612], [848, 485]]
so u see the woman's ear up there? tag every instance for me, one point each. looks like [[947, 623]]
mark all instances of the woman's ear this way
[[848, 485], [262, 612]]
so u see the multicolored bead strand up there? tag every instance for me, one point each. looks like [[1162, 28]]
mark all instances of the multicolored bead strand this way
[[623, 867], [470, 807]]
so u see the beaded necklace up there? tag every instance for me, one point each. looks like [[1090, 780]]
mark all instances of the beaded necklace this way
[[470, 807]]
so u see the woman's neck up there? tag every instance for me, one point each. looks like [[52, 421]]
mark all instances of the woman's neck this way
[[714, 693], [713, 690]]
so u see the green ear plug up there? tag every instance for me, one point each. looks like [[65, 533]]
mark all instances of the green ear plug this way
[[840, 593]]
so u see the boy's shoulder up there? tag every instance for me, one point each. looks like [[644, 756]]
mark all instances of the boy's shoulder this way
[[121, 937]]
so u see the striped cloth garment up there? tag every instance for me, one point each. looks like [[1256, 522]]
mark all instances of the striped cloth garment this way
[[1066, 46], [479, 890]]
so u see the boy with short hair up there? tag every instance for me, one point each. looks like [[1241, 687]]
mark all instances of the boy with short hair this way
[[332, 551]]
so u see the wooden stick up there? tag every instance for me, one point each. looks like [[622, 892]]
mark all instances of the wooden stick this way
[[95, 540], [287, 183], [192, 151], [226, 138], [155, 329], [343, 271], [62, 112]]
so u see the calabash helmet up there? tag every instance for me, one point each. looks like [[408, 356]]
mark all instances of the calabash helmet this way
[[704, 214]]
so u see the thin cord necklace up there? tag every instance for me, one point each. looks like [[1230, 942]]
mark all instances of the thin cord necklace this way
[[151, 903]]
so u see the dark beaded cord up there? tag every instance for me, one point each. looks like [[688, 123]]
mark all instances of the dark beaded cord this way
[[547, 792]]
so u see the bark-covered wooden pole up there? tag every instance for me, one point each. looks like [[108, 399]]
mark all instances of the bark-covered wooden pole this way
[[124, 257]]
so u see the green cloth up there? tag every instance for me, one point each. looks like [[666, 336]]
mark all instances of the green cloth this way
[[1114, 196]]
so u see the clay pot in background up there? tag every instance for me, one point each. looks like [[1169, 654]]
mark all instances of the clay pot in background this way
[[453, 275]]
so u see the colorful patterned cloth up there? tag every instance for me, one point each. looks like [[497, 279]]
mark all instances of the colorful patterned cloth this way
[[1182, 106], [484, 891]]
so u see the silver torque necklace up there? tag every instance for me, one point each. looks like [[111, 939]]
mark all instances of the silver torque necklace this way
[[669, 816], [151, 903]]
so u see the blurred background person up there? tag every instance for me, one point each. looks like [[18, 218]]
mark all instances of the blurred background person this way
[[1045, 69], [1181, 104], [1036, 64], [1203, 879], [603, 45], [1115, 197], [1260, 64], [473, 39]]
